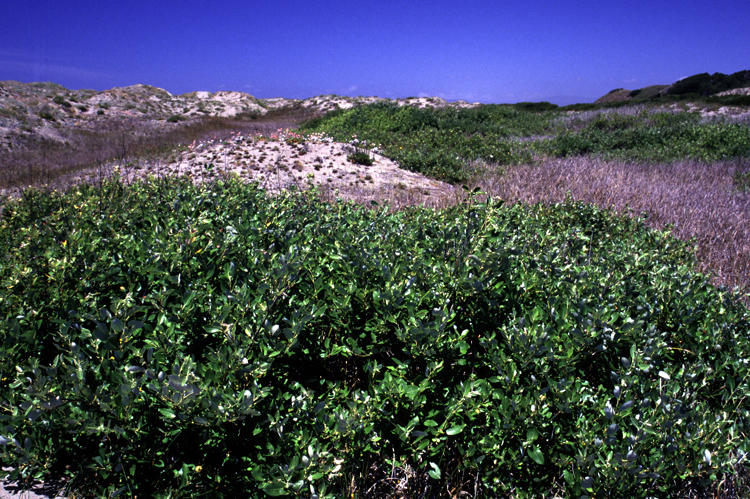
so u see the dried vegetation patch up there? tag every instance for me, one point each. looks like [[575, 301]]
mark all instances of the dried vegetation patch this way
[[696, 201]]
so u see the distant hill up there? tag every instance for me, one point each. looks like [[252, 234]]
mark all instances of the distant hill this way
[[699, 85], [32, 111], [622, 94]]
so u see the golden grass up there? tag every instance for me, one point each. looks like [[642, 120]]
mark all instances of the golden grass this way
[[40, 161], [696, 201]]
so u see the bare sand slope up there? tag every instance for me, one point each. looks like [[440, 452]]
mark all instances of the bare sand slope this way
[[282, 164]]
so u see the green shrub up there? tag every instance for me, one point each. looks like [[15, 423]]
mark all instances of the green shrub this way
[[173, 339], [58, 99], [732, 100], [656, 137], [46, 113], [742, 181], [706, 84], [583, 106], [441, 143], [360, 158], [174, 118], [535, 107], [449, 144]]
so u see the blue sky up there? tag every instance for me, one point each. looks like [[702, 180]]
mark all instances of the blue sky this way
[[489, 51]]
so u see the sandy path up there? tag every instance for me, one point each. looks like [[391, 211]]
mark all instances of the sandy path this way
[[37, 490]]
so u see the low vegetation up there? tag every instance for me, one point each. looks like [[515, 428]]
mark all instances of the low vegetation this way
[[360, 158], [705, 204], [449, 144], [536, 338], [438, 143], [706, 84], [662, 137], [714, 88], [180, 339]]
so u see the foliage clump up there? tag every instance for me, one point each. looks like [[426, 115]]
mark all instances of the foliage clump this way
[[59, 99], [167, 338], [658, 137], [455, 144], [360, 158], [440, 143], [706, 84], [742, 180], [46, 113]]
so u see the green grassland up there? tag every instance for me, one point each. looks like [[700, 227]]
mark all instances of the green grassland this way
[[177, 340], [446, 143]]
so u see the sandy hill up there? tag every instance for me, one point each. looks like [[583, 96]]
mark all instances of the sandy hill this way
[[31, 111]]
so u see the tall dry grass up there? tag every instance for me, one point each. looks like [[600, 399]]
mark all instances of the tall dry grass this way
[[39, 161], [698, 202]]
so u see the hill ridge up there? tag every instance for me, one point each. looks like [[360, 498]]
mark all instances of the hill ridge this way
[[702, 84], [44, 108]]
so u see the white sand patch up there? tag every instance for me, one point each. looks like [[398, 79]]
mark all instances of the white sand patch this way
[[278, 165], [735, 91]]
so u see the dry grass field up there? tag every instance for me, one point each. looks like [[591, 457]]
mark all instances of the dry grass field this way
[[695, 201]]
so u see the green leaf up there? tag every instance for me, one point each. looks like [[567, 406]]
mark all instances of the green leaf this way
[[435, 471], [455, 430], [536, 455], [532, 434], [257, 474], [167, 412], [275, 489], [411, 391], [587, 484]]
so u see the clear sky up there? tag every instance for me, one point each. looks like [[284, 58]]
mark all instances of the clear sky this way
[[562, 51]]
